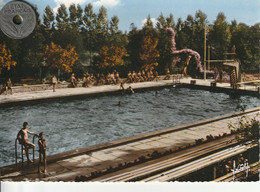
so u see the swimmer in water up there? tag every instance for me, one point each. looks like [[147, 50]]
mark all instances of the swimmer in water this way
[[131, 90], [120, 103]]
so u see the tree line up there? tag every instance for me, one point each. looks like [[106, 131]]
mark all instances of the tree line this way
[[77, 39]]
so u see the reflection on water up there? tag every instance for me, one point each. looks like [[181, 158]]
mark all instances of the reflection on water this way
[[80, 123]]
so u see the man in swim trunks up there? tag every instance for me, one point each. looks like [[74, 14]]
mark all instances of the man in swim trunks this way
[[22, 137]]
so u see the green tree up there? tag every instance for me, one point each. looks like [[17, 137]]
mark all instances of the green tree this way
[[220, 37], [75, 16], [89, 18], [62, 17], [164, 46], [48, 18], [113, 27], [32, 49], [170, 21], [199, 29], [89, 34], [246, 40], [161, 24], [148, 24], [102, 25], [134, 49]]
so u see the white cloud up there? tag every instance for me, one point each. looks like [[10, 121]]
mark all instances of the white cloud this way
[[154, 21], [106, 3], [69, 2]]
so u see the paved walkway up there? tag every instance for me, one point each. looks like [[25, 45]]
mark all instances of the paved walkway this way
[[128, 150]]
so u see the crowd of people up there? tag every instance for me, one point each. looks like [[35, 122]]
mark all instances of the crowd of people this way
[[114, 78], [141, 76], [99, 79]]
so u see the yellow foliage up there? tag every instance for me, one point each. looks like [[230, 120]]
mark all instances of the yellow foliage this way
[[60, 58], [150, 54], [112, 56], [5, 58]]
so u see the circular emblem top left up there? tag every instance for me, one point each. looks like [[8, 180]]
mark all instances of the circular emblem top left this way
[[17, 19]]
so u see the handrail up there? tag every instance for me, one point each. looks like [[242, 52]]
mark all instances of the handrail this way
[[16, 151], [33, 143], [22, 147], [16, 156]]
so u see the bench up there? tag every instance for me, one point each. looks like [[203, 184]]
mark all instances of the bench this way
[[27, 80]]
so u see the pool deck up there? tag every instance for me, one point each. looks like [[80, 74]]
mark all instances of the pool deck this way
[[43, 95], [82, 162]]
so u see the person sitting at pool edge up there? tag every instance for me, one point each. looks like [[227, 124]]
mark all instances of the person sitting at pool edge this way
[[42, 152], [22, 137]]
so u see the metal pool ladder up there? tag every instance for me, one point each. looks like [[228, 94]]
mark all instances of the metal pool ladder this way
[[176, 79], [22, 149]]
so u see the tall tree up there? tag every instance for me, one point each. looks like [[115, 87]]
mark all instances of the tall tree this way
[[62, 17], [161, 24], [102, 20], [114, 25], [220, 37], [199, 29], [48, 18], [89, 18], [170, 21], [89, 34], [149, 23], [246, 39], [75, 17], [134, 48]]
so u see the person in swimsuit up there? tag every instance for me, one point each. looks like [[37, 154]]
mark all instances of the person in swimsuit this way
[[54, 82], [73, 80], [42, 152], [9, 86], [22, 137], [130, 89]]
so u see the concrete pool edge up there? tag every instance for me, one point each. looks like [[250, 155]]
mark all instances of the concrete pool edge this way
[[88, 150]]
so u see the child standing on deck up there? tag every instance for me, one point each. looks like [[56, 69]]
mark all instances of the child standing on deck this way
[[42, 152]]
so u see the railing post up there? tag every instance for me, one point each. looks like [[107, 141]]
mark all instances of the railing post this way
[[22, 152], [16, 151], [34, 147], [214, 172]]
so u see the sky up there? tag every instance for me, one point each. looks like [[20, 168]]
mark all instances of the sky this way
[[136, 11]]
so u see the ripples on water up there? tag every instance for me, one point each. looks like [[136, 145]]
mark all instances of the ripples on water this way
[[80, 123]]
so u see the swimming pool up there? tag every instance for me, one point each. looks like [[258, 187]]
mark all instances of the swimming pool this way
[[73, 124]]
